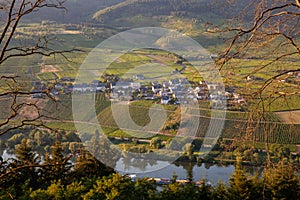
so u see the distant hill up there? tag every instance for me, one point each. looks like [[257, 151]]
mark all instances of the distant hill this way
[[146, 9], [136, 12], [77, 11], [187, 16]]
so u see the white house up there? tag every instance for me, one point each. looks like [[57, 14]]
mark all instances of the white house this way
[[135, 85], [165, 99], [139, 77], [83, 88]]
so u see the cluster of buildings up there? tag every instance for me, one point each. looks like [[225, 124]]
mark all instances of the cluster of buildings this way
[[292, 77], [178, 91], [173, 91]]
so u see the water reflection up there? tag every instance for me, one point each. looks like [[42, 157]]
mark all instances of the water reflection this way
[[188, 170], [191, 170], [184, 170]]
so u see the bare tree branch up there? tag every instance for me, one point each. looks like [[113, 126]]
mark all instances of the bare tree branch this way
[[13, 92]]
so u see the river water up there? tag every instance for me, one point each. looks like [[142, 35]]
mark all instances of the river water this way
[[211, 172]]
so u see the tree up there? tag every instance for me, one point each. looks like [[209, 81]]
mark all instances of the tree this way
[[15, 93], [24, 154], [56, 166], [155, 142], [281, 182], [187, 191], [114, 187], [88, 166], [20, 173], [241, 186], [220, 192], [54, 191], [188, 150]]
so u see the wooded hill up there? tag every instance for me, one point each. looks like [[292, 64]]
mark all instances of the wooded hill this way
[[110, 12]]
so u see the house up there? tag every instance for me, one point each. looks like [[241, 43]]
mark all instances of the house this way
[[251, 78], [282, 80], [112, 85], [156, 88], [96, 82], [183, 81], [202, 83], [58, 86], [294, 74], [69, 88], [178, 61], [78, 88], [202, 95], [298, 148], [214, 96], [165, 84], [179, 95], [165, 91], [67, 79], [214, 56], [165, 99], [84, 87], [54, 92], [178, 88], [240, 100], [228, 95], [254, 78], [174, 82], [230, 89], [139, 77], [100, 87], [122, 85], [236, 95], [213, 86], [38, 94], [201, 88], [207, 145], [135, 85], [143, 89]]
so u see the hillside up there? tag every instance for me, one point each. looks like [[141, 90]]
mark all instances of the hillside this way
[[194, 10], [77, 11], [191, 17]]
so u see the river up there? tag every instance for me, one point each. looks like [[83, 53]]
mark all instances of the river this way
[[211, 172]]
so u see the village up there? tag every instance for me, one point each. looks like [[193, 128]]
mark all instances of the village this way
[[174, 91]]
